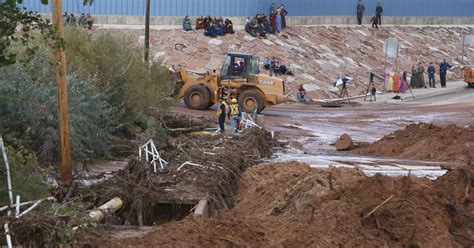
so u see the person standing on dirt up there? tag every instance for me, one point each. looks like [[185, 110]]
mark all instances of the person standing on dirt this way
[[431, 75], [443, 68], [234, 114], [221, 113], [420, 76], [413, 79], [360, 11], [378, 13]]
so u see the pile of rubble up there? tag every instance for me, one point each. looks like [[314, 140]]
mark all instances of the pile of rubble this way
[[317, 55]]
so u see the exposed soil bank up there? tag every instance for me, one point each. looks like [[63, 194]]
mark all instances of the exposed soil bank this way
[[290, 204], [425, 142]]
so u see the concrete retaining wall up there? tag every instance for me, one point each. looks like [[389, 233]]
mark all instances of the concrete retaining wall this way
[[295, 20], [291, 20]]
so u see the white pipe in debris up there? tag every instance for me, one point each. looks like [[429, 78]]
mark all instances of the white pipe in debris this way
[[51, 198], [9, 180], [7, 234], [17, 206], [109, 207], [21, 204]]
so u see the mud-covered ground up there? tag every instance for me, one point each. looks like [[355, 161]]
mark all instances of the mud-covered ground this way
[[291, 204]]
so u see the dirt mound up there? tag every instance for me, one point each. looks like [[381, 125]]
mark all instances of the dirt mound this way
[[425, 142], [290, 204]]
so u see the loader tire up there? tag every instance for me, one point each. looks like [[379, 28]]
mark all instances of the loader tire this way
[[197, 97], [249, 99]]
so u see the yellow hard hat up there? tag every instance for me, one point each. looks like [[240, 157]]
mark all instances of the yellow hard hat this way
[[234, 100]]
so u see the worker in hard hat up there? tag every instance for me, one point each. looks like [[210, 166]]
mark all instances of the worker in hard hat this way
[[221, 113], [234, 114]]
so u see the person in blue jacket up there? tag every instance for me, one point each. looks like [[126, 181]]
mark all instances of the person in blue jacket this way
[[443, 68]]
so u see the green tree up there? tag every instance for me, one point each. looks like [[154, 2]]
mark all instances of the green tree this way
[[17, 25], [28, 106]]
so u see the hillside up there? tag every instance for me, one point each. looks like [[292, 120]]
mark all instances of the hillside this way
[[318, 55]]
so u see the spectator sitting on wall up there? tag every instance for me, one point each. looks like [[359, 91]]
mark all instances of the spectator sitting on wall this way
[[220, 21], [89, 21], [251, 27], [200, 23], [267, 26], [262, 30], [220, 29], [247, 20], [260, 18], [72, 20], [65, 18], [229, 26], [82, 20], [187, 24], [207, 22], [211, 30]]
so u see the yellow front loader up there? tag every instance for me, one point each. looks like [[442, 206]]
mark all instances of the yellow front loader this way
[[239, 77]]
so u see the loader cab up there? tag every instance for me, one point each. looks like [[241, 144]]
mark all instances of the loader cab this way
[[239, 65]]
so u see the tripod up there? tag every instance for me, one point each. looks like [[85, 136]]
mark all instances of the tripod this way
[[409, 88], [371, 89], [344, 93]]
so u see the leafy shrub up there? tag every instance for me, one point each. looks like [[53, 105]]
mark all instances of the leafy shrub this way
[[28, 106], [114, 61], [26, 175]]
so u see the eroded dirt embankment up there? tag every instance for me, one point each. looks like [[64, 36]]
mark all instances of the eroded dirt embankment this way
[[317, 55], [291, 204], [424, 141]]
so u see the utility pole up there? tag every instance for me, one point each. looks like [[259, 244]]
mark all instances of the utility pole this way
[[147, 30], [66, 171]]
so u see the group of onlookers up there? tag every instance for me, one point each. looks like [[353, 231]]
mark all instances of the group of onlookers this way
[[213, 27], [261, 25], [275, 67], [399, 83], [83, 20], [418, 77], [376, 19]]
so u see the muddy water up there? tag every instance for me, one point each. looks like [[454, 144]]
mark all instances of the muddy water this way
[[309, 136]]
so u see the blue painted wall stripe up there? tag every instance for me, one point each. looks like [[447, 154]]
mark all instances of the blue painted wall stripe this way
[[450, 8]]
